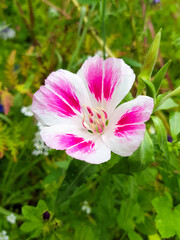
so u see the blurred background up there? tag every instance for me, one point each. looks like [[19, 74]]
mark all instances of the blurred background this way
[[41, 36]]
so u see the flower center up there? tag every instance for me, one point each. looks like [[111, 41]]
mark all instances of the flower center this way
[[94, 119]]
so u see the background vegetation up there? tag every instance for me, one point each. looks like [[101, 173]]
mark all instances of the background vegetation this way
[[51, 195]]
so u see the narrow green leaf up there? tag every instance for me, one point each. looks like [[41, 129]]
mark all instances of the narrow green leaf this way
[[174, 121], [60, 60], [5, 118], [151, 57], [170, 94], [160, 76], [149, 63], [161, 135], [82, 15], [151, 91]]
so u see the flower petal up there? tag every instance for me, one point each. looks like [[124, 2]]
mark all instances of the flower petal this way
[[60, 98], [126, 126], [107, 81], [69, 87], [78, 143], [91, 73], [118, 80]]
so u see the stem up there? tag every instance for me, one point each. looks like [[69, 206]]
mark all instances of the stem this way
[[93, 31], [104, 27], [7, 212], [80, 41], [57, 9]]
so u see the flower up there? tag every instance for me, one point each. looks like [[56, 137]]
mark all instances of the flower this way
[[80, 113], [86, 208], [11, 218], [39, 146], [27, 111], [1, 108], [3, 235], [6, 32]]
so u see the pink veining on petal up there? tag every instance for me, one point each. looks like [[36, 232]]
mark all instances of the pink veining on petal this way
[[93, 69], [111, 78], [68, 140], [64, 89], [83, 147], [47, 101], [134, 115], [128, 130]]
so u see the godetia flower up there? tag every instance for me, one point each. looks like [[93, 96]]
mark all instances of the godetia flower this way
[[80, 112]]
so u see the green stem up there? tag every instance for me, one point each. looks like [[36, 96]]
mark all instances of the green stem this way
[[104, 27], [80, 41], [6, 213]]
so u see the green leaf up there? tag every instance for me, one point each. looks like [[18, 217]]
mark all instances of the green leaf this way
[[161, 135], [151, 91], [138, 160], [170, 94], [132, 62], [160, 76], [154, 237], [29, 212], [5, 118], [31, 226], [174, 121], [151, 57], [149, 63], [76, 174], [147, 227], [88, 1], [134, 236], [145, 153], [63, 164], [129, 213], [168, 104], [85, 232], [167, 218]]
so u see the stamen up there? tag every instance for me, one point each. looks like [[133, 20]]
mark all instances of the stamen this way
[[90, 119], [95, 121], [83, 121], [105, 114]]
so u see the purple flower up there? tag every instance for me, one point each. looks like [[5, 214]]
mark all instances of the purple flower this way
[[169, 138], [1, 108]]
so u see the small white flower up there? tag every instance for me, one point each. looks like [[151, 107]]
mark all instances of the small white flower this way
[[86, 208], [6, 32], [11, 218], [39, 145], [3, 235], [27, 111]]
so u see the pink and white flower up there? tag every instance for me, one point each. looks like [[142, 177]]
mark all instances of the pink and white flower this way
[[80, 114]]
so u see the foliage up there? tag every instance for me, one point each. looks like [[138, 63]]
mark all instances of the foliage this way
[[128, 198]]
